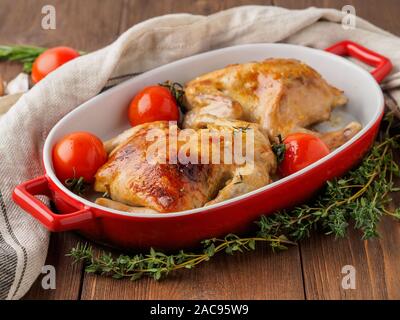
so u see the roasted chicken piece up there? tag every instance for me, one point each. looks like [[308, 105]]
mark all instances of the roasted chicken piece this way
[[256, 101], [256, 171], [282, 95], [334, 139], [132, 178], [122, 207]]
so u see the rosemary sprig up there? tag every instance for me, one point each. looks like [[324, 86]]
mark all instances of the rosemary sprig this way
[[361, 195], [24, 54], [177, 92], [279, 149]]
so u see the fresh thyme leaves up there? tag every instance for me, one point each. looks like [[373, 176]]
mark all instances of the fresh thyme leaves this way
[[279, 149], [177, 92], [157, 264], [76, 185], [24, 54], [362, 195]]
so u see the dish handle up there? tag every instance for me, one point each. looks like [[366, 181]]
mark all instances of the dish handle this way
[[24, 196], [382, 65]]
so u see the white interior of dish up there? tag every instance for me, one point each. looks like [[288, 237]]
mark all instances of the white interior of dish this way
[[106, 114]]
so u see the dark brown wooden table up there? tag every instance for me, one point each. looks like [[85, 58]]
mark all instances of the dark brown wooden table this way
[[311, 270]]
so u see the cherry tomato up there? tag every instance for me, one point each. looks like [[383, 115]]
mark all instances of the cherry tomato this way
[[302, 149], [153, 103], [50, 60], [79, 154]]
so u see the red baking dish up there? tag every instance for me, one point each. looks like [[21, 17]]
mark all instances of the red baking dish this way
[[106, 115]]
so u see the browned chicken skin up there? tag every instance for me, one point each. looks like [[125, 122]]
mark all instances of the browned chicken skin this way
[[276, 96], [129, 178], [282, 95]]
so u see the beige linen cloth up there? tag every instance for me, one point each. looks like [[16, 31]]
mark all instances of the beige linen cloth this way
[[23, 129]]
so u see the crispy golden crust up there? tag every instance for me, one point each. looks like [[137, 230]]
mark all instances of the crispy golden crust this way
[[279, 94], [275, 96], [130, 178]]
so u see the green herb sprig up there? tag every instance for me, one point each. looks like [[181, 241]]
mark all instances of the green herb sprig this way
[[157, 264], [279, 149], [177, 92], [362, 195], [77, 185], [24, 54]]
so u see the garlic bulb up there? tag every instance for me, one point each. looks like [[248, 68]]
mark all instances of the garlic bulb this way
[[19, 84]]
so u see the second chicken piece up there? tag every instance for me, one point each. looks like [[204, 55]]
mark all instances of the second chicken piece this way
[[131, 179], [282, 95]]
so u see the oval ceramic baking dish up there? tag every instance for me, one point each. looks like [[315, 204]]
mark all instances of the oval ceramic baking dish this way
[[105, 116]]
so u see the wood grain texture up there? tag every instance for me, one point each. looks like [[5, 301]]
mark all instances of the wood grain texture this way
[[260, 275], [139, 10], [68, 276], [80, 24], [313, 272], [374, 260], [256, 275], [384, 14], [85, 25]]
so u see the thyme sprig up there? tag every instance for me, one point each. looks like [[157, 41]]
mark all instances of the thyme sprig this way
[[77, 185], [362, 196], [24, 54], [157, 264]]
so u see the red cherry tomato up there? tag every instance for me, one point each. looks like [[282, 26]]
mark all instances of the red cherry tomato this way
[[302, 149], [154, 103], [78, 154], [50, 60]]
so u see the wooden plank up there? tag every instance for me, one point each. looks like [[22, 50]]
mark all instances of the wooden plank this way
[[256, 275], [375, 261], [68, 276], [259, 275], [385, 14], [137, 10], [9, 70], [85, 25], [80, 24]]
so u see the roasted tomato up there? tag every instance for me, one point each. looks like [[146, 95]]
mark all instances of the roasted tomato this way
[[77, 155], [153, 103], [50, 60], [301, 150]]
